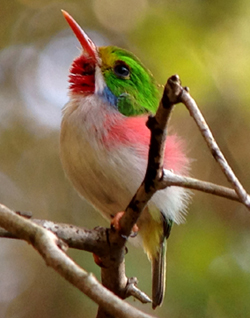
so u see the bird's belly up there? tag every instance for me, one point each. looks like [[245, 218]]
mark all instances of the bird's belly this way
[[107, 178]]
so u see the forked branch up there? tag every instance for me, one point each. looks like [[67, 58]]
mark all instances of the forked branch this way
[[191, 105]]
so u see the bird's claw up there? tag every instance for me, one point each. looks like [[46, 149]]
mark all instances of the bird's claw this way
[[115, 223]]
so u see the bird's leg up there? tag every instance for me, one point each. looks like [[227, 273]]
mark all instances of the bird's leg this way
[[116, 224]]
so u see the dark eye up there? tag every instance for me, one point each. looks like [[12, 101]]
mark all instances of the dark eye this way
[[122, 70]]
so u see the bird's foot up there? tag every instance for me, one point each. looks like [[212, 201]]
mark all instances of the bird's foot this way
[[116, 224]]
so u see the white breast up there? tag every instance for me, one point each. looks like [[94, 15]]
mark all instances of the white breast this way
[[101, 177], [106, 178]]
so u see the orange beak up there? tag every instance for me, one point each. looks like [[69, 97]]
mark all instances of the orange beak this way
[[86, 43]]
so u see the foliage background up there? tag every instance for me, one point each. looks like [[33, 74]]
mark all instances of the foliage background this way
[[207, 43]]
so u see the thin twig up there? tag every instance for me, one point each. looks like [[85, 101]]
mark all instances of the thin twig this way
[[132, 290], [191, 105], [172, 179]]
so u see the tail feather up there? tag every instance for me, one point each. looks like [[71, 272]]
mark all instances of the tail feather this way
[[159, 263]]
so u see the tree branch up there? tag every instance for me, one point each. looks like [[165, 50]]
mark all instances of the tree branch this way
[[172, 179], [153, 177], [94, 241], [52, 250], [191, 105]]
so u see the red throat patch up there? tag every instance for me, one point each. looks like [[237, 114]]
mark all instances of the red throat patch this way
[[82, 76]]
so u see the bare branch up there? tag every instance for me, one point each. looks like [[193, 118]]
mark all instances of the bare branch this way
[[132, 290], [191, 105], [52, 250], [94, 241], [152, 181], [172, 179]]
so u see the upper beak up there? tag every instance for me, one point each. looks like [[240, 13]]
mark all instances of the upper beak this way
[[86, 43]]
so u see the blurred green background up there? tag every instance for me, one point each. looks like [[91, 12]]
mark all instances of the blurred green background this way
[[208, 44]]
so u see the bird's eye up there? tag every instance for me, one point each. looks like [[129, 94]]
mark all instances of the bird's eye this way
[[122, 70]]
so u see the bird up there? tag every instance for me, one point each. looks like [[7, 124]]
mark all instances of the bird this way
[[104, 144]]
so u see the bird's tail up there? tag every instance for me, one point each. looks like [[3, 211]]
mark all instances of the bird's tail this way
[[159, 262], [155, 232]]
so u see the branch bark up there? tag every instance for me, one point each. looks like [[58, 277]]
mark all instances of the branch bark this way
[[172, 179], [154, 173], [194, 111], [53, 250]]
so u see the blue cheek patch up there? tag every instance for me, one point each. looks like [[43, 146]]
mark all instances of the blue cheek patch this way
[[109, 97], [124, 103]]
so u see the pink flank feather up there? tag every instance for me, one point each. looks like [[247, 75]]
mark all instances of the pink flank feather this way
[[132, 131]]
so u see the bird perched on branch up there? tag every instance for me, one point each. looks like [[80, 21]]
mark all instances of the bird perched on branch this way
[[104, 144]]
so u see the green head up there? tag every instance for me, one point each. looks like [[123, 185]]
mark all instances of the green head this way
[[113, 73], [129, 81]]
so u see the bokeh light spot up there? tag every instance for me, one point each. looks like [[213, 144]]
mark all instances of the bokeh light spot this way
[[121, 17]]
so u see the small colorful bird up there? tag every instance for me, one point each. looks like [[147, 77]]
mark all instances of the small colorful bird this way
[[104, 144]]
